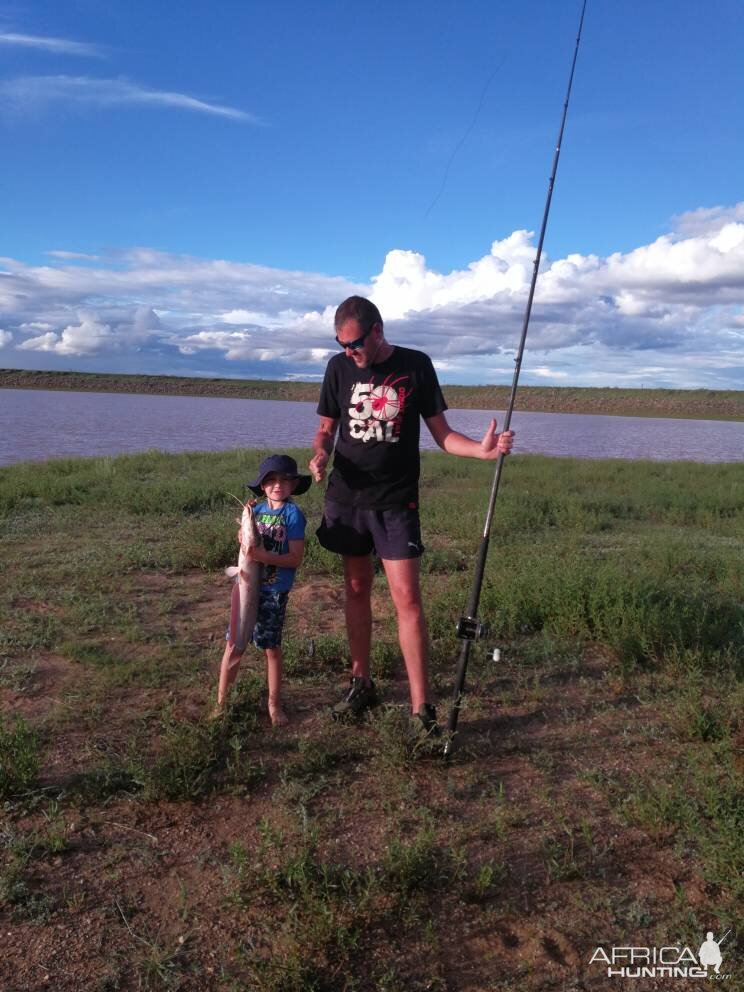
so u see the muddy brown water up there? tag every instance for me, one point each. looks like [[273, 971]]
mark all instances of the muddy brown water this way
[[38, 425]]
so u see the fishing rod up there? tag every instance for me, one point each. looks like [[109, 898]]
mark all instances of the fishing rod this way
[[470, 629]]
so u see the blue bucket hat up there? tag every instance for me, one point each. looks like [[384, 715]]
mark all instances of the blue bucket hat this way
[[281, 465]]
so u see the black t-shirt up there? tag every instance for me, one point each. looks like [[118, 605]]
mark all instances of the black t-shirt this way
[[376, 461]]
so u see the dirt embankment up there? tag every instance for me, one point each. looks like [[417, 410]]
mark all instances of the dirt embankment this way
[[703, 404], [166, 385]]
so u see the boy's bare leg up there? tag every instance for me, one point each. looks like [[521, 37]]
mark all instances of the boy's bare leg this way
[[274, 671], [229, 667], [358, 575], [413, 634]]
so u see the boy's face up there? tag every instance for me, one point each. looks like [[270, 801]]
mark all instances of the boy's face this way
[[278, 487]]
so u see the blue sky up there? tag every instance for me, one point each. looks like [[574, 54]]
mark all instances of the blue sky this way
[[192, 190]]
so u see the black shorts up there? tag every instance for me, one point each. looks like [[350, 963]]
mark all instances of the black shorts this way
[[353, 530]]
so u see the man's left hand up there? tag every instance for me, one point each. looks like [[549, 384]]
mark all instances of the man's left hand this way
[[495, 444]]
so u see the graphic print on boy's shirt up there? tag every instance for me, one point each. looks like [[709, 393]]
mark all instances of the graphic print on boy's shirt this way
[[376, 411], [273, 531]]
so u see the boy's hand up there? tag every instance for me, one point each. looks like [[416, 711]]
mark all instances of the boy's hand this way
[[258, 554]]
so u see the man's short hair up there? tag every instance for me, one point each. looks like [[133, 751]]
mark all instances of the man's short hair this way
[[360, 309]]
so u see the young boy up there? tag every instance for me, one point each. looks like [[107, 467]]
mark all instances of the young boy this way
[[281, 526]]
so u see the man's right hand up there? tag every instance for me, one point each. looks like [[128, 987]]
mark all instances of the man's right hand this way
[[317, 465], [323, 446]]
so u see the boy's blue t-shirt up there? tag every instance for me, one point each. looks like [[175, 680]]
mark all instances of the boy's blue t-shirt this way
[[277, 528]]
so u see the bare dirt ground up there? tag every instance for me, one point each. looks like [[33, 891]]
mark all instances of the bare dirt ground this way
[[538, 866]]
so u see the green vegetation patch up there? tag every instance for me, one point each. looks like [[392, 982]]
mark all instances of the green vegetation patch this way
[[19, 756], [595, 790]]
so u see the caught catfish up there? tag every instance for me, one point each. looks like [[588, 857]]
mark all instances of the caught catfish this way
[[243, 604], [244, 607]]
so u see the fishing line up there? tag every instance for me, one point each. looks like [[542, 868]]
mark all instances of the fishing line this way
[[470, 629], [465, 136]]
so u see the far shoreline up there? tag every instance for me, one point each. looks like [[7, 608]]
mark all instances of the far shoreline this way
[[687, 404]]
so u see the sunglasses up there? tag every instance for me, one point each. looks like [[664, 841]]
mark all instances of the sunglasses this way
[[357, 342]]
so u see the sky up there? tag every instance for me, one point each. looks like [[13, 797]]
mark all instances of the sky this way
[[191, 189]]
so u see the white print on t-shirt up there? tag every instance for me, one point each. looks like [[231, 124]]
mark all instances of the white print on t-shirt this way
[[376, 412]]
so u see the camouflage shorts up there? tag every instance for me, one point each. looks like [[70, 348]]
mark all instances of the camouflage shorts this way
[[270, 620]]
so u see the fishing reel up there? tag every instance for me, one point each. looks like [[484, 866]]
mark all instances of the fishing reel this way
[[470, 629]]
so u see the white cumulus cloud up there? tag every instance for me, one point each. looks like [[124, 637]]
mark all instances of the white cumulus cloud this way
[[667, 313], [44, 342], [706, 220], [85, 338], [406, 283], [91, 335]]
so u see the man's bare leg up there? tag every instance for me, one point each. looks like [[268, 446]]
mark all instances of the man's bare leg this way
[[358, 575], [413, 634]]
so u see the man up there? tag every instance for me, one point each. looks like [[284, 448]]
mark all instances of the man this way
[[374, 393]]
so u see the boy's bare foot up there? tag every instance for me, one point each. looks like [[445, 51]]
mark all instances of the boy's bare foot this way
[[217, 712], [278, 717]]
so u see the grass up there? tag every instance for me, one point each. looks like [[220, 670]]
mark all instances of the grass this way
[[595, 793], [18, 893], [19, 757], [331, 913]]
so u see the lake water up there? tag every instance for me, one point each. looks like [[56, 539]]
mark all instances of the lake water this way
[[37, 425]]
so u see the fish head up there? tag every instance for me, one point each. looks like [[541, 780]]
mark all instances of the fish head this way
[[249, 536]]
